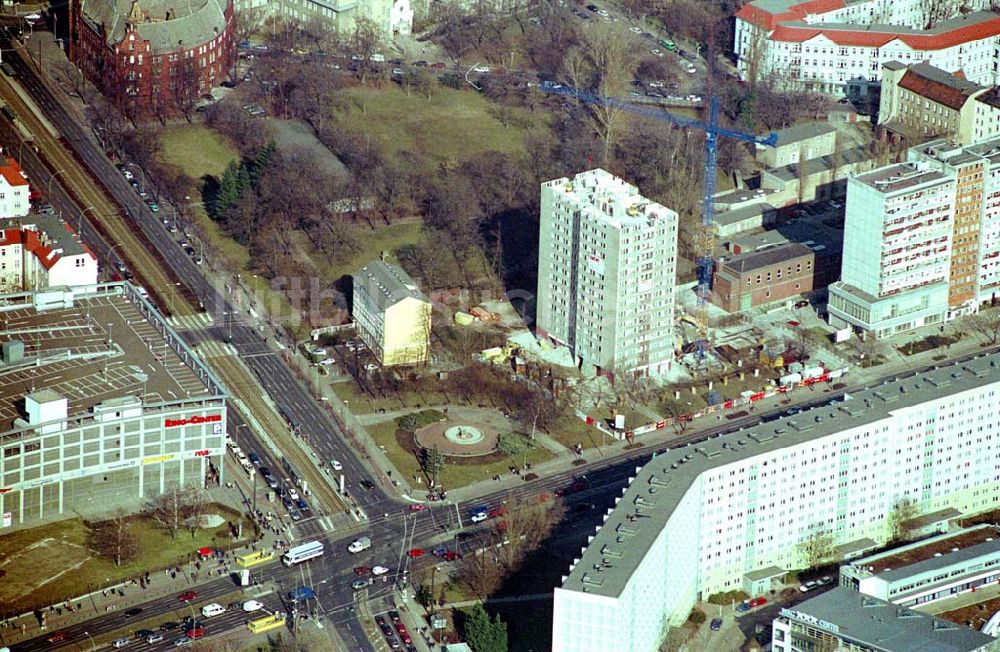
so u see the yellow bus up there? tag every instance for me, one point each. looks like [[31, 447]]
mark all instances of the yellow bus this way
[[266, 623], [255, 558]]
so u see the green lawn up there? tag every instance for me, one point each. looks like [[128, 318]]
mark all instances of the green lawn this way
[[372, 242], [453, 475], [570, 431], [453, 126], [43, 565], [361, 402], [196, 149]]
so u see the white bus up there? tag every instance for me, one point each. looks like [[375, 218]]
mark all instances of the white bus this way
[[299, 554]]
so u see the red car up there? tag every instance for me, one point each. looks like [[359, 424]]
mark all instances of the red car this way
[[362, 570], [413, 553], [497, 512], [758, 602], [187, 596], [439, 66], [451, 556], [417, 507], [58, 637], [195, 632]]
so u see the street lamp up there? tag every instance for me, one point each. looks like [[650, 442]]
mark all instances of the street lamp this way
[[51, 178], [79, 225]]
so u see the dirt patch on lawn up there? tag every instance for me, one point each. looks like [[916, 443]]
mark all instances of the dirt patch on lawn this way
[[43, 562]]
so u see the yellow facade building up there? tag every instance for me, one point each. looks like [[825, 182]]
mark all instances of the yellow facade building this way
[[392, 316]]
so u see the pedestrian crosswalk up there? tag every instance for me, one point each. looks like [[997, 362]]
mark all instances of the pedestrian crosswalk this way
[[214, 349], [191, 322]]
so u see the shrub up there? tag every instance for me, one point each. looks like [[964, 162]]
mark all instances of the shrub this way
[[513, 444], [728, 597], [697, 616], [407, 423]]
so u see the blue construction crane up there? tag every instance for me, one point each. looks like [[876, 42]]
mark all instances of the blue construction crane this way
[[712, 132]]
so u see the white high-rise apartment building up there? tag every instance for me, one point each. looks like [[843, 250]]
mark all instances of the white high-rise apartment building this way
[[897, 250], [731, 512], [607, 261], [838, 46]]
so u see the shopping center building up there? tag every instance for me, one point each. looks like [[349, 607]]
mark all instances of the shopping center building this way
[[101, 405], [732, 512]]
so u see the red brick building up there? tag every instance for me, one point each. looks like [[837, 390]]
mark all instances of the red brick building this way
[[760, 277], [153, 56]]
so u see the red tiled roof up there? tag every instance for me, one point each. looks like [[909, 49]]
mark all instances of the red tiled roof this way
[[916, 40], [935, 91], [763, 18], [12, 173], [32, 243]]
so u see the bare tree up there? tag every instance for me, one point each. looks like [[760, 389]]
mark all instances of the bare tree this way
[[817, 548], [900, 519], [754, 59], [987, 324], [194, 511], [114, 538], [365, 41], [611, 58], [482, 572], [170, 509]]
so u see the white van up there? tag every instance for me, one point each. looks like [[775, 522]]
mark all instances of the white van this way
[[364, 543], [213, 609]]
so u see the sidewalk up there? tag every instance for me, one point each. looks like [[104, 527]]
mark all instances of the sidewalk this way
[[124, 595]]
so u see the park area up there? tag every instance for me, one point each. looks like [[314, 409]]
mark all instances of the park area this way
[[400, 443], [46, 564]]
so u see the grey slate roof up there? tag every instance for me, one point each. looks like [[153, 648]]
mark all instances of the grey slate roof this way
[[848, 156], [193, 22], [727, 218], [754, 260], [886, 626], [386, 284], [865, 407], [803, 131]]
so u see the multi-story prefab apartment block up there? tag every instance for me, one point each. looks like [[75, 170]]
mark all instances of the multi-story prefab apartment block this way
[[732, 512], [898, 239], [607, 261]]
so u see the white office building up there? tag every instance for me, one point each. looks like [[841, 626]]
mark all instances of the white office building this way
[[853, 622], [731, 512], [897, 250], [839, 46], [929, 570], [607, 261]]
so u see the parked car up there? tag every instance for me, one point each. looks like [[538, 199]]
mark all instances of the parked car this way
[[801, 304], [182, 641], [252, 605], [758, 602], [120, 642], [131, 613], [418, 507], [357, 585], [187, 596], [378, 571], [716, 624], [155, 637], [743, 607], [413, 553]]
